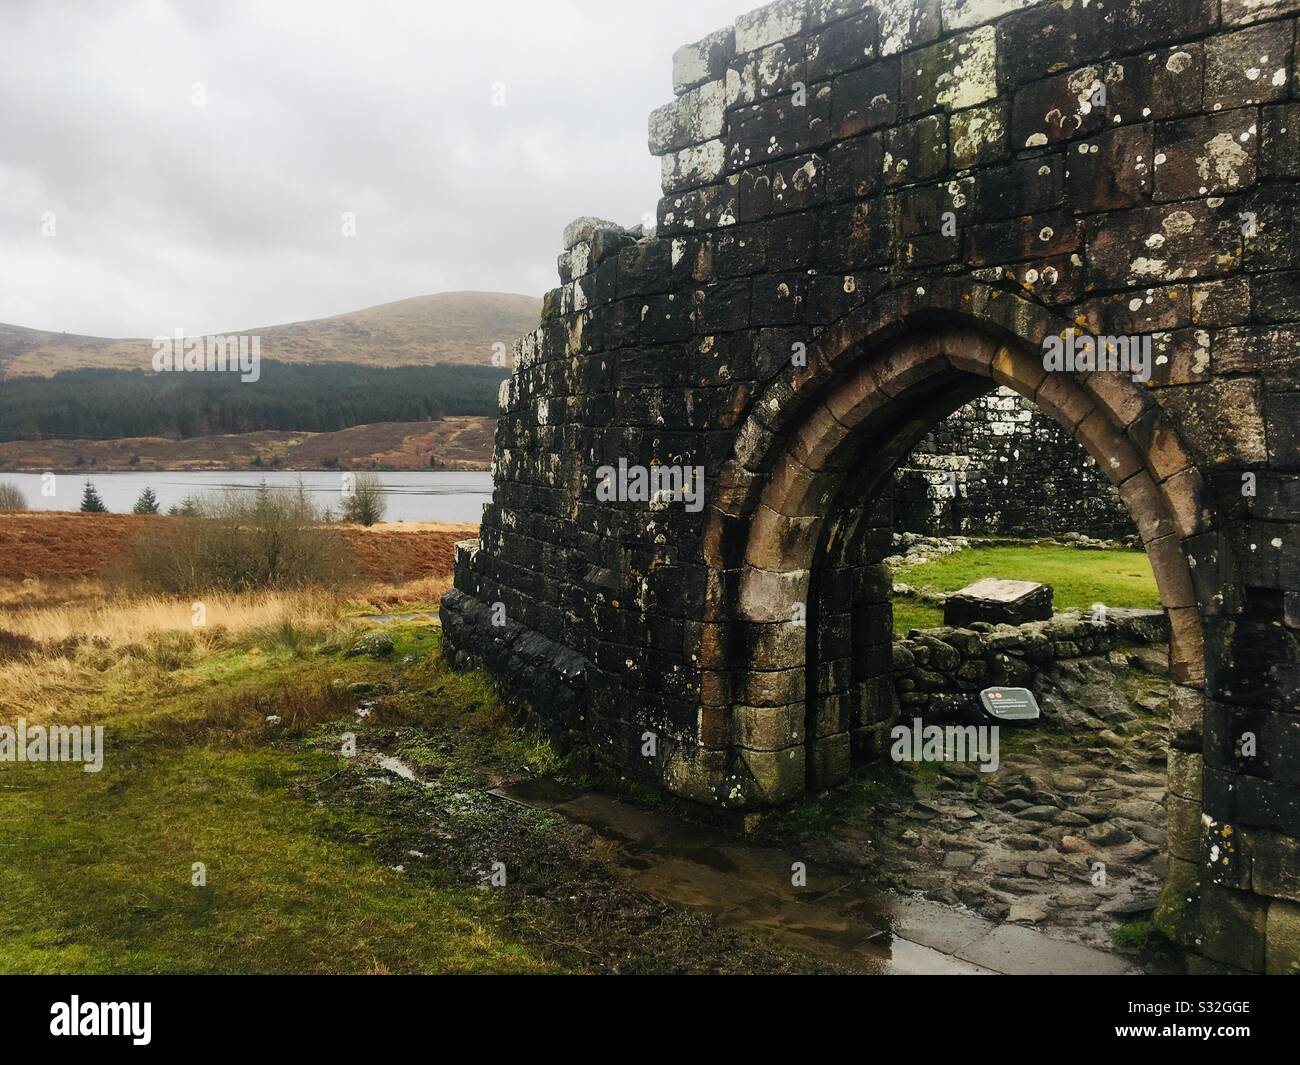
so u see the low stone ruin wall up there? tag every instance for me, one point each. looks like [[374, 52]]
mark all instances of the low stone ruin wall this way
[[939, 672]]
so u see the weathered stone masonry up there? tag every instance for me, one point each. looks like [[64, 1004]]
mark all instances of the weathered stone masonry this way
[[997, 467], [804, 316]]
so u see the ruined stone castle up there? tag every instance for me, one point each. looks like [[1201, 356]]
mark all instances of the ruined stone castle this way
[[874, 214]]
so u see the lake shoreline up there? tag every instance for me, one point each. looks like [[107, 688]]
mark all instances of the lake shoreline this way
[[450, 496]]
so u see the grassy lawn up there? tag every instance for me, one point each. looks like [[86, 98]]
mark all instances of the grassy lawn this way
[[1078, 578], [98, 869], [315, 862]]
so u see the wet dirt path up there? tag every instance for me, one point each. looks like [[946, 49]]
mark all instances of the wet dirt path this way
[[835, 916]]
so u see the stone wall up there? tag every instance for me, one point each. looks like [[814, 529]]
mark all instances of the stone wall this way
[[872, 213], [939, 672], [997, 467]]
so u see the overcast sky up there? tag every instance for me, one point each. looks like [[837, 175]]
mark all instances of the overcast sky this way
[[228, 215]]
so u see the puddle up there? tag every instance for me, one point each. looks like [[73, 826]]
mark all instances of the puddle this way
[[398, 768], [835, 916]]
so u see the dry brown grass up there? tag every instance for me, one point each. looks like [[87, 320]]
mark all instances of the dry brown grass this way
[[68, 642], [30, 593], [90, 640], [382, 598], [117, 620], [50, 544]]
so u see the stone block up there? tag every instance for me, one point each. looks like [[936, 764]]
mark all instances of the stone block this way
[[1250, 66], [774, 776], [1172, 575], [844, 46], [1280, 141], [1275, 863], [782, 126], [766, 728], [1060, 398], [1112, 170], [1232, 927], [1240, 12], [1187, 646], [1114, 456], [705, 60], [1185, 776], [699, 164], [1058, 109], [997, 601], [1282, 939], [831, 758], [768, 72], [693, 118], [771, 23], [1222, 421], [1155, 85], [865, 99], [905, 24], [956, 73], [1206, 154]]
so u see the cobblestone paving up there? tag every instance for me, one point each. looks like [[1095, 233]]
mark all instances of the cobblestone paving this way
[[1067, 835]]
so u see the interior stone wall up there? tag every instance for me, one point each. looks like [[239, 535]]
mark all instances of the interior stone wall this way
[[998, 467]]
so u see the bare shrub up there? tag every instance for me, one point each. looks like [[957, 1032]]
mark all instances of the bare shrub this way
[[272, 538], [365, 504], [11, 497]]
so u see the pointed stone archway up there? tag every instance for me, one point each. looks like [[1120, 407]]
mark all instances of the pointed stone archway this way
[[816, 450]]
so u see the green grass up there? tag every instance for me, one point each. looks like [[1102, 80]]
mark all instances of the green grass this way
[[300, 844], [1079, 578], [1141, 935], [97, 869], [913, 614]]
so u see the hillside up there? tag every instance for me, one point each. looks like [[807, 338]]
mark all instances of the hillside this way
[[450, 444], [47, 545], [446, 327]]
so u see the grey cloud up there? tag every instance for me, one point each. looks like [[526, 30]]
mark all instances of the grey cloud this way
[[228, 215]]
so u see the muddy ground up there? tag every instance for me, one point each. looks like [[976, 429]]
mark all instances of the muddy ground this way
[[1021, 845], [431, 793]]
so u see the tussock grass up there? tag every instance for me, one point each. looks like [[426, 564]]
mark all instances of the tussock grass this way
[[16, 645], [239, 718], [423, 593], [68, 654], [120, 619], [31, 593]]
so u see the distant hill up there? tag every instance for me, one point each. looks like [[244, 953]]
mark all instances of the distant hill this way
[[453, 443], [444, 328]]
